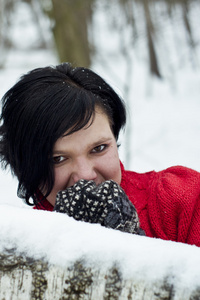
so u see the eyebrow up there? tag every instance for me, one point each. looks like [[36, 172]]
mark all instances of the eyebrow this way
[[100, 141]]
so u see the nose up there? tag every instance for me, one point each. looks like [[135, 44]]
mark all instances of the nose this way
[[83, 169]]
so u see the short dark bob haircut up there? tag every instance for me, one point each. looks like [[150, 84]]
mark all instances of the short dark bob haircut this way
[[43, 105]]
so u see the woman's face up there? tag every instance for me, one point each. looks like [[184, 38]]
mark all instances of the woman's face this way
[[90, 153]]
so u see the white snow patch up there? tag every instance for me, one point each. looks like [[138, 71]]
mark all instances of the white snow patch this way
[[61, 240]]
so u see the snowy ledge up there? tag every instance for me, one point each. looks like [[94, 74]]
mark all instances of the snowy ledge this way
[[45, 255]]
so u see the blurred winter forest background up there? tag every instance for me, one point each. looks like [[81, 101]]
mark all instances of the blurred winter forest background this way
[[148, 50]]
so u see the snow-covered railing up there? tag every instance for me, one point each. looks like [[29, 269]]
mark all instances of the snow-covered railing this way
[[45, 255]]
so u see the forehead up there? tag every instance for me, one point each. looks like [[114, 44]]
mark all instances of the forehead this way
[[98, 129]]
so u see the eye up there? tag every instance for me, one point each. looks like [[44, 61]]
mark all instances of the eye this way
[[58, 159], [99, 149]]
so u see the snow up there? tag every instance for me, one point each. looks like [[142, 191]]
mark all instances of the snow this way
[[165, 131], [163, 113], [61, 240]]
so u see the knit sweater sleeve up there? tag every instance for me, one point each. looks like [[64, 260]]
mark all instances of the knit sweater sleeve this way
[[174, 205]]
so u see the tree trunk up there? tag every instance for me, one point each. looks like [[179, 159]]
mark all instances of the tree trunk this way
[[154, 68], [71, 30], [23, 278]]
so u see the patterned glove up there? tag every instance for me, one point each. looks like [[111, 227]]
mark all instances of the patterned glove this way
[[106, 204]]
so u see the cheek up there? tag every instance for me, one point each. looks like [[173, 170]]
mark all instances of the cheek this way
[[110, 166], [61, 178]]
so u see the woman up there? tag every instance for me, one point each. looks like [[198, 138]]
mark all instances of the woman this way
[[59, 134]]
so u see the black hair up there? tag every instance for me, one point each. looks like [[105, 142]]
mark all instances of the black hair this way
[[40, 108]]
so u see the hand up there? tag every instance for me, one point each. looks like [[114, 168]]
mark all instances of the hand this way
[[106, 204]]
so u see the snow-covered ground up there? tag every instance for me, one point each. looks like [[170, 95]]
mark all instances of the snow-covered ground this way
[[163, 113]]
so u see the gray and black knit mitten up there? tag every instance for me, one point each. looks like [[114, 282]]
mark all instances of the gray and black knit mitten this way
[[106, 204]]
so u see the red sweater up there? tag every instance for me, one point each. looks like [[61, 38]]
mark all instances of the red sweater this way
[[167, 202]]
